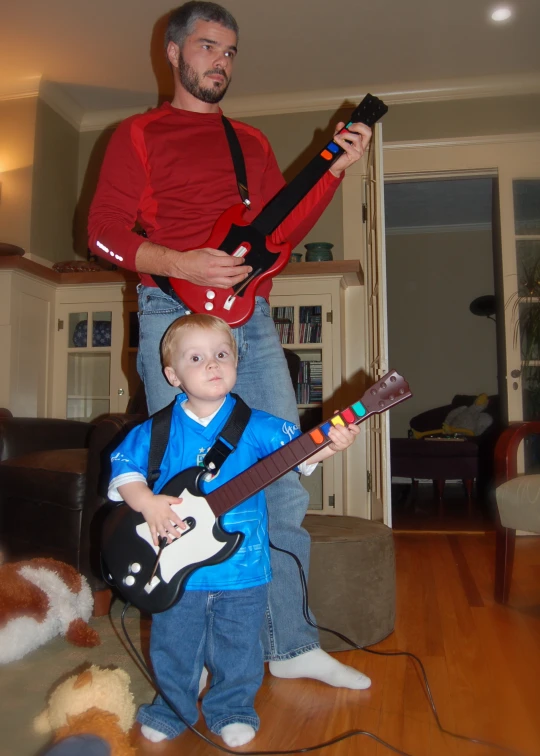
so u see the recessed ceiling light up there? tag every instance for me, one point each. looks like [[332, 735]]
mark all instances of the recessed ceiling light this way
[[501, 14]]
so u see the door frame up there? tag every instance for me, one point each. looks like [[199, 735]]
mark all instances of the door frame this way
[[509, 157]]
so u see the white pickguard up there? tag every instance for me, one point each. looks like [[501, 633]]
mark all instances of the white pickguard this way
[[197, 545]]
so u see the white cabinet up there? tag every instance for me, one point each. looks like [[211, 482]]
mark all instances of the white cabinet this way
[[94, 350]]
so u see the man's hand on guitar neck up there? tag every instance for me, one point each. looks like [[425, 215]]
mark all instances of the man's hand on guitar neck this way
[[203, 267], [355, 141]]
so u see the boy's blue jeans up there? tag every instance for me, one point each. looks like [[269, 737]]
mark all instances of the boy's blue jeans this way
[[264, 383], [221, 630]]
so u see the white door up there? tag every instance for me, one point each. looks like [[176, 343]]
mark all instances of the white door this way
[[379, 482]]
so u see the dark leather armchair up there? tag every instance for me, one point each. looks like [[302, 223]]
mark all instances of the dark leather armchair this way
[[51, 488]]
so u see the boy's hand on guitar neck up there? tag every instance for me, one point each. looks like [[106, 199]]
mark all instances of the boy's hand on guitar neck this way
[[202, 267], [354, 140]]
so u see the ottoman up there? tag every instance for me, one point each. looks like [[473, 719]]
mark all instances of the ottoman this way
[[352, 581]]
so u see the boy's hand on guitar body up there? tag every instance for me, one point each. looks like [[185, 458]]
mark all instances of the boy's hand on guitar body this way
[[162, 520], [355, 141], [202, 267], [156, 510]]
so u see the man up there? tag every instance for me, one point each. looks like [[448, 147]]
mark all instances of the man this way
[[171, 170]]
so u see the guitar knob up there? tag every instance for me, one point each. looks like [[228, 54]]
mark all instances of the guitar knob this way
[[210, 294], [129, 580], [135, 568], [209, 306]]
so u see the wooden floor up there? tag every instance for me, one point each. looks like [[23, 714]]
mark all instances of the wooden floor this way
[[418, 509], [482, 661]]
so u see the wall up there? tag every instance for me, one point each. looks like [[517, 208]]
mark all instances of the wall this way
[[54, 195], [434, 340], [17, 134], [92, 146], [295, 139]]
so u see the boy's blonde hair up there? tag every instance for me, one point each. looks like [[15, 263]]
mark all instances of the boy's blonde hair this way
[[204, 321]]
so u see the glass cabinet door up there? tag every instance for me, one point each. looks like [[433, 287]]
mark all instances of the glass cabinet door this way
[[89, 336]]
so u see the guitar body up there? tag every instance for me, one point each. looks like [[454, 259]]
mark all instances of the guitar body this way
[[129, 554], [232, 234]]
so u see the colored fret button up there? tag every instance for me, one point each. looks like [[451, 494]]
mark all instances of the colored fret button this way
[[337, 420], [326, 155], [325, 428], [317, 436], [359, 408], [332, 146], [348, 415]]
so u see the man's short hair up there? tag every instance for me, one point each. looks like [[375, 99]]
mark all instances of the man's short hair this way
[[183, 19], [204, 321]]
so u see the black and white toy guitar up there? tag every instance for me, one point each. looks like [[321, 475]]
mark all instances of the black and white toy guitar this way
[[152, 578]]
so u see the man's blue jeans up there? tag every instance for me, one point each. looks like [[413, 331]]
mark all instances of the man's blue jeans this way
[[264, 383], [221, 630]]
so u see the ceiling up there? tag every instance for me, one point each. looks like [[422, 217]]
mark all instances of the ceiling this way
[[109, 54]]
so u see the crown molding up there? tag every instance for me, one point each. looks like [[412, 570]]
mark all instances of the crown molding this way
[[286, 102], [20, 90], [464, 141], [60, 101]]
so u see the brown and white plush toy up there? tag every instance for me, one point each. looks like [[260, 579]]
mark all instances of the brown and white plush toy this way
[[39, 599], [96, 702]]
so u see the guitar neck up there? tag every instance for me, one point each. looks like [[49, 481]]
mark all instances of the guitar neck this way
[[370, 110], [389, 391]]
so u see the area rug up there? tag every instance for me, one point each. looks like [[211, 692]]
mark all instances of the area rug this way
[[24, 685]]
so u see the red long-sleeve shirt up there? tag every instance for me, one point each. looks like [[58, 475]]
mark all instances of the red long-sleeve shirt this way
[[171, 170]]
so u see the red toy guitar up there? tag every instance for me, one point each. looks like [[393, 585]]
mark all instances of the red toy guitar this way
[[234, 235], [151, 578]]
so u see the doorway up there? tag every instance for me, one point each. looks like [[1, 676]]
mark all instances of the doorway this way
[[441, 257]]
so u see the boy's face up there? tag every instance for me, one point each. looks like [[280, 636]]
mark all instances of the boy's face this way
[[203, 365]]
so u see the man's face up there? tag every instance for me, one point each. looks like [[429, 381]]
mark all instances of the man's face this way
[[205, 61]]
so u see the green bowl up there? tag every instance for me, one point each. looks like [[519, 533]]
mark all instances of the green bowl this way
[[318, 251]]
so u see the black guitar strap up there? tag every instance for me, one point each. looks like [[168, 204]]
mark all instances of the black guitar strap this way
[[238, 161], [241, 182], [225, 443]]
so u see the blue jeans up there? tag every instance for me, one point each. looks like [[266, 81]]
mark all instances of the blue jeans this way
[[221, 630], [264, 383]]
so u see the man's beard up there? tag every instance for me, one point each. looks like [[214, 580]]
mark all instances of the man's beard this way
[[190, 81]]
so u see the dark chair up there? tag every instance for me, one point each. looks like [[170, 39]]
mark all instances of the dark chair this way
[[518, 502], [443, 459], [51, 490]]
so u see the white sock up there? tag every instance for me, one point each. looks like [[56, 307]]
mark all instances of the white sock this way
[[203, 679], [153, 735], [318, 665], [237, 734]]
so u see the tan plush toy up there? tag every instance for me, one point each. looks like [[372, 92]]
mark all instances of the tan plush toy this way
[[39, 599], [95, 702]]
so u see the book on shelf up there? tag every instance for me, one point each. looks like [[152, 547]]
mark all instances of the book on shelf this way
[[310, 324], [283, 318], [309, 389]]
